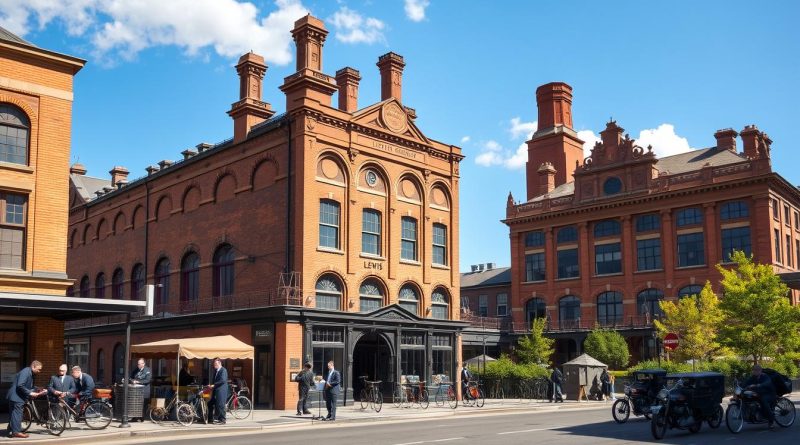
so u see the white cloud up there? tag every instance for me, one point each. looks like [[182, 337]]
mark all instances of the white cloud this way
[[415, 9], [664, 140], [123, 28], [465, 139], [352, 27], [519, 128], [589, 139]]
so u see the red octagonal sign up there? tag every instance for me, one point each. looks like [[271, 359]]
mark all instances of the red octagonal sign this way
[[671, 341]]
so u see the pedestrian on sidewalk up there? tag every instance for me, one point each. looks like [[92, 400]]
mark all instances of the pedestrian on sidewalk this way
[[19, 392], [331, 393], [556, 378], [219, 393], [305, 380], [605, 385]]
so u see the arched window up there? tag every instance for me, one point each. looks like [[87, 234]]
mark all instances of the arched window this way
[[734, 210], [439, 304], [100, 285], [567, 234], [689, 217], [137, 282], [190, 277], [688, 291], [535, 308], [14, 134], [409, 299], [647, 302], [117, 284], [609, 308], [329, 293], [569, 312], [370, 296], [223, 270], [119, 362], [608, 227], [101, 366], [162, 281], [85, 287]]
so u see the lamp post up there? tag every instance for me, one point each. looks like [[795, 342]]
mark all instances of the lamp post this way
[[657, 345]]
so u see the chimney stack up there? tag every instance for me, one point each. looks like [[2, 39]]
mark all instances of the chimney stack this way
[[547, 178], [756, 143], [391, 67], [347, 79], [188, 153], [726, 139], [77, 169], [164, 163], [554, 101], [118, 173], [250, 109], [309, 83]]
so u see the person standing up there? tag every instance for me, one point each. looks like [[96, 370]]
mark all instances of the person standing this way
[[605, 385], [20, 391], [142, 375], [332, 386], [556, 378], [219, 393], [62, 385], [305, 380]]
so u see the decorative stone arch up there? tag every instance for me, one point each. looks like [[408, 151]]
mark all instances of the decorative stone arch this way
[[597, 290], [416, 180], [343, 298], [87, 234], [358, 334], [444, 189], [138, 217], [119, 223], [380, 169], [102, 229], [264, 172], [381, 283], [33, 119], [678, 289], [189, 248], [449, 300], [73, 239], [163, 207], [341, 163], [221, 187], [190, 200], [420, 295]]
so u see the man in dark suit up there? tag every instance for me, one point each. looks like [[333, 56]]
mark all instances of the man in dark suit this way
[[305, 380], [332, 387], [143, 376], [84, 385], [20, 391], [219, 395], [62, 385]]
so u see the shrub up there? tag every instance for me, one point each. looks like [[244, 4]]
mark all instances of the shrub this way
[[609, 347]]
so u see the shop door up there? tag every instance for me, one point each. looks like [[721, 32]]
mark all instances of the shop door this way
[[264, 374], [372, 358]]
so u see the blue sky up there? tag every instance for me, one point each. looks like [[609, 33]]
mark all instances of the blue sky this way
[[160, 75]]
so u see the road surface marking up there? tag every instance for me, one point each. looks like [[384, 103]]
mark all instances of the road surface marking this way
[[431, 441], [530, 431]]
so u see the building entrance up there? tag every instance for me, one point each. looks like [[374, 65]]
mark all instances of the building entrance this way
[[264, 371], [372, 357]]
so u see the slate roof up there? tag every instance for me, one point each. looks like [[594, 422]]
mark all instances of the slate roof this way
[[8, 36], [87, 185], [498, 276]]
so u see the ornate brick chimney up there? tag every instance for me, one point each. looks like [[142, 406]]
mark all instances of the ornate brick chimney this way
[[118, 174], [726, 139], [250, 109], [555, 105], [308, 83], [347, 79], [391, 67], [547, 178], [756, 143]]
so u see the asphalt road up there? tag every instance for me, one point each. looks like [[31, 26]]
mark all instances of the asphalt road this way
[[579, 427]]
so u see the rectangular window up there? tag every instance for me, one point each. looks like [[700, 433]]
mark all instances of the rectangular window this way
[[608, 259], [408, 238], [786, 214], [797, 253], [412, 362], [734, 210], [443, 361], [12, 230], [440, 244], [775, 208], [691, 250], [534, 267], [329, 224], [371, 232], [735, 239], [778, 246], [689, 217], [534, 239], [648, 223], [648, 254], [568, 266], [502, 305], [789, 250], [797, 220], [483, 305]]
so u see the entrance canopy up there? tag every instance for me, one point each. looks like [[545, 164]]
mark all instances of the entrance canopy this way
[[223, 346]]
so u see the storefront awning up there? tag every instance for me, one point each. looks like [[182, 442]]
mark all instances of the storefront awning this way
[[223, 346], [792, 279], [64, 308]]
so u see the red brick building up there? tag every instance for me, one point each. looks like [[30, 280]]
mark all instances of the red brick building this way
[[602, 240], [321, 233], [486, 304]]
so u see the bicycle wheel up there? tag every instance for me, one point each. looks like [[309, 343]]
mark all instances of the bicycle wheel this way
[[438, 398], [362, 396], [424, 402], [784, 412], [97, 415], [27, 418], [397, 397], [185, 414], [451, 398], [157, 415], [480, 400], [408, 398], [242, 407], [56, 420], [202, 410], [377, 402]]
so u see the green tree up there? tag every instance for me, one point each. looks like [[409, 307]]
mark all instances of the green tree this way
[[609, 347], [759, 321], [696, 319], [535, 348]]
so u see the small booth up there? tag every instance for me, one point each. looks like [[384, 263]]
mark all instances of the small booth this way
[[223, 347], [582, 377]]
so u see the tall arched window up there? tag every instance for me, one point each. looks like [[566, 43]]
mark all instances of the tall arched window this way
[[137, 282], [223, 271], [162, 281], [409, 299], [119, 362], [100, 285], [190, 277], [647, 302], [534, 308], [370, 296], [439, 304], [569, 312], [690, 290], [85, 287], [14, 134], [117, 284], [101, 366], [329, 293], [609, 308]]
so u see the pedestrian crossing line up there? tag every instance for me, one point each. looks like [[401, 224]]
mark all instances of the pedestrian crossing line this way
[[529, 431]]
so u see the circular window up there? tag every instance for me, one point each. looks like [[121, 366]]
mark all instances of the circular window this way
[[372, 178], [612, 186]]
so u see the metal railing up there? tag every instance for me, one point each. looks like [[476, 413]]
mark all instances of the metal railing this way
[[505, 324]]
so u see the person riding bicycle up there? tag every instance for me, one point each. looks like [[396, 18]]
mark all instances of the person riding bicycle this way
[[762, 385], [84, 385], [466, 377], [62, 386]]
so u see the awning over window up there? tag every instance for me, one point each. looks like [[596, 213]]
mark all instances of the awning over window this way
[[64, 308]]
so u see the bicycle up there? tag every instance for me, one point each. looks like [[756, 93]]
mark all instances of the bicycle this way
[[448, 395], [238, 404], [52, 420], [184, 413], [473, 395], [497, 391], [416, 394], [95, 413], [198, 403], [398, 396], [371, 395]]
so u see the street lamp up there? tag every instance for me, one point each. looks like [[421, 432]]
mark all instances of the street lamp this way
[[657, 345]]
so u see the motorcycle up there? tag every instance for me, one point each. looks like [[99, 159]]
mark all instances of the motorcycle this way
[[744, 407], [693, 399], [638, 396]]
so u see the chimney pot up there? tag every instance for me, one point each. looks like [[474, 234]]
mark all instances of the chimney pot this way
[[554, 101], [347, 80], [203, 146], [726, 139], [121, 183], [756, 143], [250, 110], [164, 163], [474, 267], [77, 169], [118, 173], [188, 153], [151, 169], [547, 178], [391, 67]]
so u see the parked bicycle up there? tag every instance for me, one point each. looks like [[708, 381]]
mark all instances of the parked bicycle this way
[[411, 394], [239, 404], [370, 394], [44, 414], [184, 413], [446, 393], [95, 413], [473, 396], [197, 400]]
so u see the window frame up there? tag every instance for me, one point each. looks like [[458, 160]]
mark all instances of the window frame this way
[[407, 223], [440, 247], [137, 281], [726, 237], [224, 268], [682, 241], [118, 284], [161, 278], [616, 252], [535, 264], [606, 228], [329, 295], [368, 231], [534, 238], [567, 269], [616, 304], [504, 305], [440, 307], [364, 297], [190, 278], [683, 218], [13, 227], [649, 222], [728, 212], [652, 255], [335, 229], [24, 125]]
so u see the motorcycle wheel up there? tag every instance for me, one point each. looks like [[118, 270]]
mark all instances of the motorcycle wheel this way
[[733, 419], [785, 412], [658, 426], [695, 427], [716, 420], [621, 410]]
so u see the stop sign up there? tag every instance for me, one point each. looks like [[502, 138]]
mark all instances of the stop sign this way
[[671, 341]]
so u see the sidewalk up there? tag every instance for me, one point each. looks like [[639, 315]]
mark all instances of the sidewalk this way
[[273, 419]]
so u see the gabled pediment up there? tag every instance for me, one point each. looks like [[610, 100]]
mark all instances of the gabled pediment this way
[[389, 116], [393, 312]]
